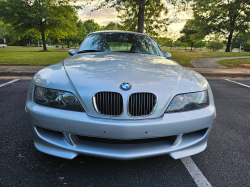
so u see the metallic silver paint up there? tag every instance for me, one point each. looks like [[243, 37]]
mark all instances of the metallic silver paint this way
[[167, 55], [72, 52], [88, 73]]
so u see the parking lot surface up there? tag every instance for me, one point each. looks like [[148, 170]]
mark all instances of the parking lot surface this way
[[225, 162]]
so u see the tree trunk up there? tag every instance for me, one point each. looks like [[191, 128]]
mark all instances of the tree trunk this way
[[62, 44], [191, 46], [141, 16], [44, 42], [229, 41], [68, 42]]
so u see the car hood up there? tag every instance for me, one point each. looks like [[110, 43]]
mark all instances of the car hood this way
[[106, 71]]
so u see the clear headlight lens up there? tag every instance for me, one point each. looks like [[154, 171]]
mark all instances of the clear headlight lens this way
[[56, 99], [189, 101]]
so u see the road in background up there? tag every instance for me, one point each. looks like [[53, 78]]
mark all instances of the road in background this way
[[225, 162]]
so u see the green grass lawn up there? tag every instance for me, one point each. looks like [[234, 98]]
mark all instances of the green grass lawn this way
[[234, 63], [48, 58], [184, 58], [31, 58], [23, 48]]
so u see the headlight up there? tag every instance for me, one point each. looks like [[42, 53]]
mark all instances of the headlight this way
[[189, 101], [56, 99]]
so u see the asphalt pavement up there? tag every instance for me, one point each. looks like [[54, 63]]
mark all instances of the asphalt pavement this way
[[225, 162], [212, 62]]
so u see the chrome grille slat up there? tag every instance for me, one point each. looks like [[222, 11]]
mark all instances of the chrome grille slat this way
[[141, 104], [108, 103]]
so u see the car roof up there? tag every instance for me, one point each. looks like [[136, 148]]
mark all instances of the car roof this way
[[118, 31]]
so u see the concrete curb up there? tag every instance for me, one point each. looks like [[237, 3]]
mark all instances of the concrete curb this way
[[17, 73], [32, 73], [233, 75]]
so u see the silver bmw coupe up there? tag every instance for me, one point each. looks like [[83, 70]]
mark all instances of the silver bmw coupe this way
[[118, 96]]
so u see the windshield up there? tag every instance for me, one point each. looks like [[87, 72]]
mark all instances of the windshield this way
[[119, 42]]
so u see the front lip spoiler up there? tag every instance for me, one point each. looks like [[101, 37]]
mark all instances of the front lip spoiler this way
[[57, 145]]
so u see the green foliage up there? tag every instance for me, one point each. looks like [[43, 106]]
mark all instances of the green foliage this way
[[3, 30], [83, 29], [177, 44], [154, 23], [240, 39], [215, 45], [225, 17], [246, 47], [52, 17], [168, 42], [81, 32], [165, 41], [189, 34], [145, 16], [91, 26], [110, 26], [184, 45], [200, 44]]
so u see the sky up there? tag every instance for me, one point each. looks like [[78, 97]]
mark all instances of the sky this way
[[103, 17]]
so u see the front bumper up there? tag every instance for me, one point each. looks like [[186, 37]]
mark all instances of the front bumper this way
[[56, 133]]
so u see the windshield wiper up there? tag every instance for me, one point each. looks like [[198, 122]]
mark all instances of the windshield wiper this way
[[134, 52], [87, 51], [126, 51]]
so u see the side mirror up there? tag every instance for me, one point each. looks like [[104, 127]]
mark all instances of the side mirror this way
[[167, 55], [72, 52]]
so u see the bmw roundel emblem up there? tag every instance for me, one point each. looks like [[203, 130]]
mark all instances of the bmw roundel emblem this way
[[125, 86]]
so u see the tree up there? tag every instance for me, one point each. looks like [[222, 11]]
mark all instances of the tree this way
[[164, 41], [247, 47], [41, 16], [189, 34], [153, 22], [177, 44], [240, 40], [110, 26], [4, 31], [200, 44], [91, 26], [168, 42], [184, 45], [215, 45], [139, 14], [81, 32], [224, 17]]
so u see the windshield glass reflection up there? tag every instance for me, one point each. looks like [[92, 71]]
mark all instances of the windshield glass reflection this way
[[119, 42]]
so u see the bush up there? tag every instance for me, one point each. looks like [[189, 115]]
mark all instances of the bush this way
[[215, 45], [246, 47], [200, 44]]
